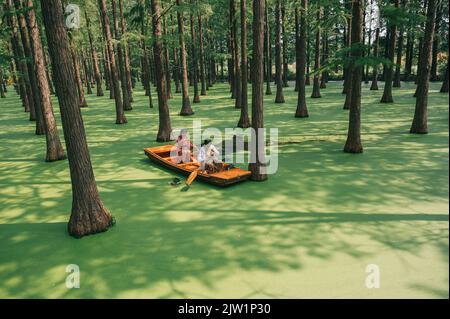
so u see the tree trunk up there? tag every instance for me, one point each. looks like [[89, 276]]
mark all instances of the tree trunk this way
[[47, 71], [126, 103], [96, 68], [256, 166], [302, 110], [194, 60], [176, 68], [278, 58], [185, 104], [230, 61], [164, 115], [244, 120], [284, 47], [88, 216], [202, 56], [316, 81], [353, 143], [107, 72], [420, 121], [86, 72], [389, 69], [268, 52], [120, 115], [348, 43], [297, 50], [236, 62], [444, 87], [55, 150], [24, 83], [167, 63], [126, 56], [397, 77], [2, 91], [374, 85], [40, 129], [409, 55], [81, 98], [435, 51]]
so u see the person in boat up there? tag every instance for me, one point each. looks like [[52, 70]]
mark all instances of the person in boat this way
[[208, 157], [183, 148]]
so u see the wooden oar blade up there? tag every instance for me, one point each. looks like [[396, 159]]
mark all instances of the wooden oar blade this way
[[191, 178]]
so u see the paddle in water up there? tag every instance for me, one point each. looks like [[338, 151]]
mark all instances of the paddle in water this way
[[191, 177]]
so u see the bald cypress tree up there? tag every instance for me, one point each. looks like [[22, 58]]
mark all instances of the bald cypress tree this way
[[257, 167], [114, 73], [279, 98], [389, 69], [244, 120], [420, 121], [353, 143], [164, 115], [302, 110], [55, 150], [185, 103], [89, 215]]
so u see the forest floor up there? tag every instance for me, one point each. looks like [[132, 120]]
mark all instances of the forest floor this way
[[309, 231]]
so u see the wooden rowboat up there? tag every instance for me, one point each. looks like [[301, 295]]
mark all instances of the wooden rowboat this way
[[161, 156]]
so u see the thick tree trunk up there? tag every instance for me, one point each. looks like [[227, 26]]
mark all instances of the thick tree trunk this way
[[115, 83], [164, 115], [257, 166], [126, 103], [202, 56], [278, 58], [244, 120], [88, 216], [353, 143], [40, 129], [302, 110], [55, 150], [374, 85], [194, 61], [268, 51], [420, 121], [185, 104], [96, 68], [389, 69]]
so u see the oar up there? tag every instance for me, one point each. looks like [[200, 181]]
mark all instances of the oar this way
[[192, 177]]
